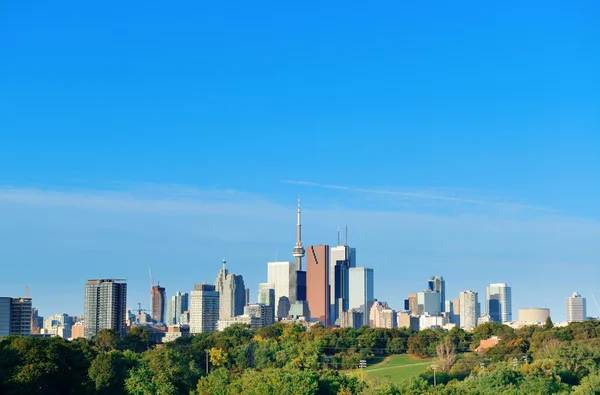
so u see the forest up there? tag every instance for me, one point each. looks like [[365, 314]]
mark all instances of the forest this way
[[288, 359]]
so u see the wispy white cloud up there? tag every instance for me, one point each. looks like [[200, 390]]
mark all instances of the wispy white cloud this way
[[422, 196]]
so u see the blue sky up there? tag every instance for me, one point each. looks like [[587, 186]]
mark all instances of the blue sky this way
[[454, 139]]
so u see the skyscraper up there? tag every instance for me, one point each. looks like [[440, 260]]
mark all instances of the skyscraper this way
[[15, 316], [232, 293], [342, 259], [468, 309], [428, 302], [437, 284], [266, 296], [283, 277], [498, 302], [105, 306], [317, 282], [157, 303], [413, 306], [576, 309], [362, 291], [178, 304], [204, 309], [298, 249]]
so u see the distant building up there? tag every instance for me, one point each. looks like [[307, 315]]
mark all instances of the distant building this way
[[283, 276], [300, 309], [78, 330], [488, 343], [428, 302], [204, 309], [484, 319], [534, 315], [259, 310], [361, 291], [455, 317], [300, 284], [15, 316], [59, 325], [351, 319], [382, 316], [254, 322], [283, 307], [105, 306], [158, 299], [405, 319], [266, 296], [468, 309], [232, 293], [413, 305], [342, 258], [178, 304], [498, 300], [317, 282], [175, 332], [431, 322], [576, 309], [437, 284]]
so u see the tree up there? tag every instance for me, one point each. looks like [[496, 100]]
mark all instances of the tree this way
[[137, 339], [446, 353], [107, 340], [109, 372], [548, 325]]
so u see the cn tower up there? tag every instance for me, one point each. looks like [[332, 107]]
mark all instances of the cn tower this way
[[298, 249]]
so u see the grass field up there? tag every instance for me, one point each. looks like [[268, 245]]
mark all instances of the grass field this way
[[397, 368]]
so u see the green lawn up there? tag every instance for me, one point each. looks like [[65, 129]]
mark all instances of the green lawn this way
[[397, 368]]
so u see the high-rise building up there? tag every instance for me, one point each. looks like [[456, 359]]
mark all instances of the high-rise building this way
[[15, 316], [105, 306], [413, 305], [204, 308], [341, 260], [37, 321], [428, 302], [58, 325], [317, 282], [232, 293], [298, 251], [300, 309], [455, 317], [437, 284], [498, 302], [405, 319], [266, 297], [382, 316], [300, 285], [261, 311], [576, 309], [283, 277], [178, 304], [468, 309], [158, 299], [362, 291]]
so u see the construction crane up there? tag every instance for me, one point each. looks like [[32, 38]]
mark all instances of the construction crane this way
[[151, 279], [139, 309], [597, 306], [27, 291]]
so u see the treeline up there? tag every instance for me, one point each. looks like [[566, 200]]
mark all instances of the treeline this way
[[287, 359]]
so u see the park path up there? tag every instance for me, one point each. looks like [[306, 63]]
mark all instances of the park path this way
[[397, 366]]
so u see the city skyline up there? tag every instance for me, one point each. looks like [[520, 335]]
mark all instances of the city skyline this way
[[455, 140]]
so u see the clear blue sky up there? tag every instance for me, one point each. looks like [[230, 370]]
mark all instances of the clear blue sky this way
[[466, 137]]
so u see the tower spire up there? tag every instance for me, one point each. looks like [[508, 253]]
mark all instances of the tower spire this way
[[298, 249], [224, 262]]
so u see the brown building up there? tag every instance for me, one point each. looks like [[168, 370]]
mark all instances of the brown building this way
[[488, 343], [317, 282], [157, 300], [412, 303], [77, 331]]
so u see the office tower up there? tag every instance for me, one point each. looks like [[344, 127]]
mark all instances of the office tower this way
[[341, 260], [300, 309], [448, 307], [437, 284], [413, 306], [362, 291], [232, 293], [455, 317], [468, 309], [15, 316], [283, 307], [105, 306], [428, 302], [261, 311], [498, 302], [317, 282], [37, 321], [59, 325], [298, 251], [247, 297], [157, 303], [177, 306], [204, 308], [300, 285], [576, 309], [266, 296], [283, 277]]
